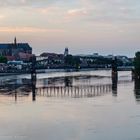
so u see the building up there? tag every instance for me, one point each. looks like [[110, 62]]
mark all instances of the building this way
[[53, 58], [96, 55], [12, 50], [66, 52]]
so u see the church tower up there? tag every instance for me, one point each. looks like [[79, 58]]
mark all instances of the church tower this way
[[15, 42], [14, 48], [66, 52]]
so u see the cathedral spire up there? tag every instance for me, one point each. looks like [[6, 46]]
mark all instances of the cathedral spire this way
[[15, 41]]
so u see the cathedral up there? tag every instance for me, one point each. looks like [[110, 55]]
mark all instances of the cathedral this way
[[15, 50]]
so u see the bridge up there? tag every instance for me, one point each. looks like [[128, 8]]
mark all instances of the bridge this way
[[44, 61], [69, 90]]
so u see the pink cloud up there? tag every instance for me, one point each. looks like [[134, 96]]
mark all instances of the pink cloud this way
[[28, 29], [48, 10], [77, 12], [2, 16]]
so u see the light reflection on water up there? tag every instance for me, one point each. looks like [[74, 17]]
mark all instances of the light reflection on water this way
[[64, 117]]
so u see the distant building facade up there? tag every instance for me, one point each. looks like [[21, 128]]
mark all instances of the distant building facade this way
[[16, 51]]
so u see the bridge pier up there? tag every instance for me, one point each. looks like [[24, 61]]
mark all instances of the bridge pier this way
[[33, 77], [114, 69], [114, 76], [137, 89]]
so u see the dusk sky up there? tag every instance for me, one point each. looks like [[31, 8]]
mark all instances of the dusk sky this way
[[85, 26]]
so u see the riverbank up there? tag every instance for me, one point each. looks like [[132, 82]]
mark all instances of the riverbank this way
[[19, 73], [61, 70]]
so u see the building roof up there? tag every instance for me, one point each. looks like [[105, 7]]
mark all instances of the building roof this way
[[24, 46], [25, 55], [4, 46], [19, 45], [10, 58]]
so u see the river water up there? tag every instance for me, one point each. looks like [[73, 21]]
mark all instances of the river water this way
[[70, 106]]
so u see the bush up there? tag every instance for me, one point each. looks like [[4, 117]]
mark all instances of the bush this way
[[3, 59]]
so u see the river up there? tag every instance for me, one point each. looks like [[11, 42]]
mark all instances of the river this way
[[70, 106]]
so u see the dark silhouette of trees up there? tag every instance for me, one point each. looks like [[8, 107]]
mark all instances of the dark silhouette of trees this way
[[3, 59], [72, 61], [137, 65]]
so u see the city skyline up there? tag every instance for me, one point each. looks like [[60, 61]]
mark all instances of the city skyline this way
[[84, 26]]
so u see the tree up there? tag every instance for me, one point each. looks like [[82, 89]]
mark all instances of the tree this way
[[3, 59], [73, 61], [77, 62], [137, 64], [69, 60]]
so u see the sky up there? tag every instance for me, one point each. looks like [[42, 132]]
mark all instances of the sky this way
[[84, 26]]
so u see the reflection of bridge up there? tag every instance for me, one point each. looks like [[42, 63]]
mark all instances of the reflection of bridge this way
[[74, 91], [24, 87], [58, 91]]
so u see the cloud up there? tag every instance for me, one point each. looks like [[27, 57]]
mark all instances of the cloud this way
[[94, 9], [110, 10], [28, 29], [25, 2], [2, 16], [49, 10], [56, 13], [77, 12]]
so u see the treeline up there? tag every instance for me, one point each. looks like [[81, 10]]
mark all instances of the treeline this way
[[78, 61], [73, 61], [137, 65], [3, 59]]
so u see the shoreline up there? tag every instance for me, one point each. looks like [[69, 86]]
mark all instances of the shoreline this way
[[58, 70]]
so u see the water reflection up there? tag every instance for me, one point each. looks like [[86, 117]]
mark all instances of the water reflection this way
[[114, 86], [68, 81], [33, 85], [137, 89], [56, 110], [73, 86], [14, 87], [67, 86], [74, 91]]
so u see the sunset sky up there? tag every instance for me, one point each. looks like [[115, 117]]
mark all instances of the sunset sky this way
[[85, 26]]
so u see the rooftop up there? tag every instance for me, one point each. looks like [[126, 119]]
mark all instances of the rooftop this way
[[19, 45]]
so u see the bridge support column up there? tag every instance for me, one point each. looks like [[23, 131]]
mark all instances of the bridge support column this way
[[114, 76], [33, 77]]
